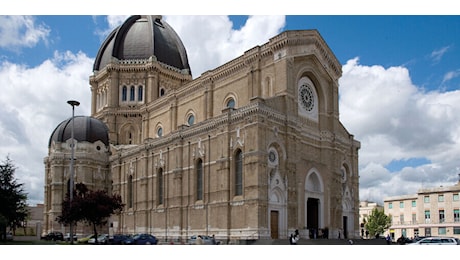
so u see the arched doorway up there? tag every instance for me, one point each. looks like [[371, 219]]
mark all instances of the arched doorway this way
[[277, 206], [314, 199]]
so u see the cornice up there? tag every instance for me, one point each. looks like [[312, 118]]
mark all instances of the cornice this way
[[231, 117], [309, 37], [142, 65]]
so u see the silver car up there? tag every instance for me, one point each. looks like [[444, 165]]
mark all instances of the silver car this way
[[101, 239], [206, 240], [437, 241]]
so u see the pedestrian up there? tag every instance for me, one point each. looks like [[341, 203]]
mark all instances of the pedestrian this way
[[388, 239], [214, 240], [199, 240], [294, 239]]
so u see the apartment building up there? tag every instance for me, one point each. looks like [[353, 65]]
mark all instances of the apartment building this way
[[365, 209], [429, 212]]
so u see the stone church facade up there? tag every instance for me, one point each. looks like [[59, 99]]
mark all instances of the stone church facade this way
[[253, 149]]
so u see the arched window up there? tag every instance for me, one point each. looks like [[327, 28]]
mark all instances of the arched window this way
[[130, 191], [231, 103], [140, 93], [238, 173], [131, 93], [191, 119], [160, 186], [160, 132], [130, 138], [124, 93], [199, 180], [162, 92]]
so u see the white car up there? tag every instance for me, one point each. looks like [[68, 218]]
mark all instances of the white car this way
[[101, 239], [67, 237], [437, 241]]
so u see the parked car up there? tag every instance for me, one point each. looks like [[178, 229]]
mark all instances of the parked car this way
[[118, 239], [207, 240], [437, 241], [54, 236], [85, 239], [101, 239], [9, 236], [141, 239], [67, 237], [402, 240]]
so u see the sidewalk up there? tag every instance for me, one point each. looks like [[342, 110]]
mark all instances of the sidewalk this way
[[320, 242]]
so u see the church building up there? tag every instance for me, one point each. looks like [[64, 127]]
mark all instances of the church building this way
[[253, 149]]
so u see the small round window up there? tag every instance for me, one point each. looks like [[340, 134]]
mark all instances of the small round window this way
[[273, 157], [160, 132], [231, 103], [191, 119]]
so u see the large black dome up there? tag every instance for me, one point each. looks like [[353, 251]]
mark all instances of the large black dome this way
[[86, 128], [141, 37]]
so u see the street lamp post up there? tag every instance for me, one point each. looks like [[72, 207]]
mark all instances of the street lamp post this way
[[73, 103]]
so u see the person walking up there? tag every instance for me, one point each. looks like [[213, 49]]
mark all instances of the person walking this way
[[294, 239], [199, 240], [388, 239]]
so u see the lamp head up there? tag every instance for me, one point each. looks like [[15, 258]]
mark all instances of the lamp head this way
[[73, 103]]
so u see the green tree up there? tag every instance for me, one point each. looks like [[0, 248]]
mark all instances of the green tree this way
[[13, 209], [377, 222], [92, 207]]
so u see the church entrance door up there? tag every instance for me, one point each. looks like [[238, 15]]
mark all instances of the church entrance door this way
[[274, 224], [313, 216]]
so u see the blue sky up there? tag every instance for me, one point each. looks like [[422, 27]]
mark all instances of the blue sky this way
[[399, 93]]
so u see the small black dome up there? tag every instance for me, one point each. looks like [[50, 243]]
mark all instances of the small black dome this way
[[141, 37], [86, 128]]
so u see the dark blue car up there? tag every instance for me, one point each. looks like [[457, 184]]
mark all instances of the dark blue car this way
[[141, 239], [119, 239]]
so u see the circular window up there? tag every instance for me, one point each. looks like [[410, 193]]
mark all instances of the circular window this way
[[272, 157], [160, 132], [306, 97], [191, 119]]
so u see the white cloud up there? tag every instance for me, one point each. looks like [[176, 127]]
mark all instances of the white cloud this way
[[450, 75], [210, 40], [33, 104], [112, 21], [437, 55], [396, 120], [21, 31]]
